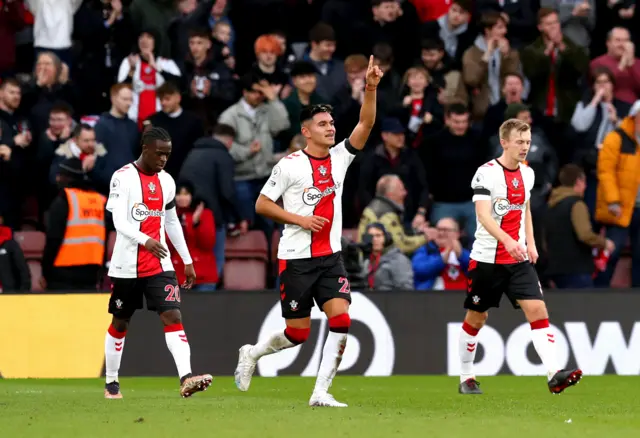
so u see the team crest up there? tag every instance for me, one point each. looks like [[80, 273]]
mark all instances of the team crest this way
[[515, 183], [475, 299], [322, 170], [152, 188], [118, 304], [294, 305]]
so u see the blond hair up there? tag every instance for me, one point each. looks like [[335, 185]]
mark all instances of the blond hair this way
[[513, 125]]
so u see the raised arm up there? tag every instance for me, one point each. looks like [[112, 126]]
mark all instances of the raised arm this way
[[361, 132]]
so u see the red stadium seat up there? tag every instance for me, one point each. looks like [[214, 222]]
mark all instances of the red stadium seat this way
[[351, 234], [36, 274], [252, 245], [245, 275], [32, 243]]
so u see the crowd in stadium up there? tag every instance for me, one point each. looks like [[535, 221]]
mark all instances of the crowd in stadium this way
[[81, 81]]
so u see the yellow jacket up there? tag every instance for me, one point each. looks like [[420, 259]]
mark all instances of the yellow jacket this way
[[618, 174]]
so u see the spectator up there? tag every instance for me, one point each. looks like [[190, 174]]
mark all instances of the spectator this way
[[386, 268], [74, 252], [11, 22], [199, 228], [268, 49], [192, 14], [10, 166], [348, 100], [442, 263], [183, 126], [554, 66], [520, 15], [421, 106], [154, 16], [569, 238], [116, 131], [454, 30], [50, 86], [392, 157], [12, 124], [595, 116], [209, 168], [92, 155], [53, 26], [440, 66], [454, 147], [209, 83], [486, 64], [331, 72], [14, 271], [391, 82], [221, 38], [146, 72], [303, 76], [617, 204], [512, 93], [218, 16], [103, 33], [387, 209], [621, 61], [256, 118], [578, 19]]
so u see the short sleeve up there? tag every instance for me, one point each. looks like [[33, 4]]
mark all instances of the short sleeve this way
[[344, 151], [277, 183], [481, 185], [117, 190]]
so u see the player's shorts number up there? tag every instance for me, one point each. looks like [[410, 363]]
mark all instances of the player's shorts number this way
[[174, 293], [346, 287]]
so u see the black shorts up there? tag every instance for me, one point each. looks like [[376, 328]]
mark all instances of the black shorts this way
[[161, 292], [488, 281], [304, 280]]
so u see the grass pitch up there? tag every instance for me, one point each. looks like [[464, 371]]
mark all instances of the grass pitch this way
[[513, 407]]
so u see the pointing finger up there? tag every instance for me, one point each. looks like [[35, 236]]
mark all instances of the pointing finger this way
[[370, 61]]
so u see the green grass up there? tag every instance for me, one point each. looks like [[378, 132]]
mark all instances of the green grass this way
[[513, 407]]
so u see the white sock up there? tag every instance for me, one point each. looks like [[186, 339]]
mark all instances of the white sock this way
[[544, 342], [274, 343], [331, 358], [179, 347], [113, 347], [467, 347]]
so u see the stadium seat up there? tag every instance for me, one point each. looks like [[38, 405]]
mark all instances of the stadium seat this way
[[351, 234], [32, 243], [36, 273], [245, 274], [252, 245]]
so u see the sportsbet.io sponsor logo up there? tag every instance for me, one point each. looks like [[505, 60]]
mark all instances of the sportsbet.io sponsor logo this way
[[502, 206], [140, 212], [312, 195]]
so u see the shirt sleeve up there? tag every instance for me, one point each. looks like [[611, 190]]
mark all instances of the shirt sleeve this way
[[118, 205], [481, 185], [174, 230], [277, 183], [345, 151]]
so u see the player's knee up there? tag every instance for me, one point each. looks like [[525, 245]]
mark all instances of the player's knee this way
[[120, 325], [171, 317], [476, 319], [534, 310], [297, 335], [340, 323]]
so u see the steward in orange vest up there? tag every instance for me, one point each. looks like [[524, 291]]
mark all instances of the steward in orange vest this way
[[74, 253]]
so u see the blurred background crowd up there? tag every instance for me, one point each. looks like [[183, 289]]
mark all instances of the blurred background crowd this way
[[81, 80]]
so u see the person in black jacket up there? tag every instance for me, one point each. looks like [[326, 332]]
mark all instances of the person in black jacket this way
[[14, 272], [209, 168]]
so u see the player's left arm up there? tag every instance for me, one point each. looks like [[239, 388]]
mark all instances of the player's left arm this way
[[361, 132]]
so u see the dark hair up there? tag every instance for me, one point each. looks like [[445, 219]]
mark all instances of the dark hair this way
[[10, 81], [322, 32], [302, 68], [602, 70], [191, 188], [458, 109], [309, 111], [467, 5], [198, 32], [383, 52], [153, 134], [61, 107], [167, 89], [544, 13], [432, 44], [490, 19], [375, 3], [248, 80], [514, 74], [570, 174], [81, 127], [224, 130]]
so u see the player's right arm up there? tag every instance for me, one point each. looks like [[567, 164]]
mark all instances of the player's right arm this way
[[272, 191], [118, 205], [481, 185]]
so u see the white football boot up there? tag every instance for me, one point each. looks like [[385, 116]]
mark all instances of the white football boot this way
[[245, 369], [324, 399]]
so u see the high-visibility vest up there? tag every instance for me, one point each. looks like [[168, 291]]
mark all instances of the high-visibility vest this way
[[85, 236]]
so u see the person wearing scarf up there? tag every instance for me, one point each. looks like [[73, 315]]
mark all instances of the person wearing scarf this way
[[14, 272]]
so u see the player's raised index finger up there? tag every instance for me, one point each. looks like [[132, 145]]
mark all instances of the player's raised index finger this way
[[371, 61]]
